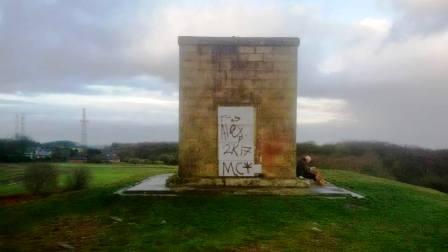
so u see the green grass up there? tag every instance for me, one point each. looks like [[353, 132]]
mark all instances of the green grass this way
[[393, 217], [102, 174]]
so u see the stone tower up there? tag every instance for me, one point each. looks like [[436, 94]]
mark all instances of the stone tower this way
[[237, 107]]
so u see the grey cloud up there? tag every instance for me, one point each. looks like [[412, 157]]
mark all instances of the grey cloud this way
[[61, 45], [421, 17], [396, 91], [397, 114], [99, 132]]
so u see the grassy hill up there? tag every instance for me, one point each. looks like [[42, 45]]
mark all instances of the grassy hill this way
[[103, 174], [413, 165], [393, 216]]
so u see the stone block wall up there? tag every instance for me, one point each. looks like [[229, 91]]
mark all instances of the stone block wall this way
[[236, 71]]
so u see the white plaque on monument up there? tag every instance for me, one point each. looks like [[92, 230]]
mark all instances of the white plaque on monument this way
[[236, 141]]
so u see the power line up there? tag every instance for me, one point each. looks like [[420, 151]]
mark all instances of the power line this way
[[17, 123], [84, 128], [22, 125]]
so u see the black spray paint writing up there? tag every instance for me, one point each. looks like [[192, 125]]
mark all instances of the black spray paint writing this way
[[234, 150]]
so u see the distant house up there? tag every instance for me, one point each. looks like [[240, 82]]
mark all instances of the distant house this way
[[79, 158], [111, 158], [95, 156], [38, 153]]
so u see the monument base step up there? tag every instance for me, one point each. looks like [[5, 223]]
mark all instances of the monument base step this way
[[157, 186], [239, 182]]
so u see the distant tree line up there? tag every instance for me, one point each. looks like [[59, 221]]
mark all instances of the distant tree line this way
[[12, 150], [151, 153], [408, 164], [17, 150]]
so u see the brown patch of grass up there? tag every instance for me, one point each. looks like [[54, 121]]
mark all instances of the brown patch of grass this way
[[78, 232], [305, 238], [11, 200]]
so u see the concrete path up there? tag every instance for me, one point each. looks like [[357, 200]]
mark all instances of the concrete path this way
[[156, 186], [331, 190], [154, 183]]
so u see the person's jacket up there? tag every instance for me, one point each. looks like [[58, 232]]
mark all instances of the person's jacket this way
[[302, 168]]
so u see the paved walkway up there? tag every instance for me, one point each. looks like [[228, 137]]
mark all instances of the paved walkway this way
[[155, 183], [330, 189], [156, 186]]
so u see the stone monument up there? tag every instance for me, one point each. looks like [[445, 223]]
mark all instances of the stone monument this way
[[237, 107]]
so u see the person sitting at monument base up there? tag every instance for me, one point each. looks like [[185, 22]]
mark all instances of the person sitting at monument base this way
[[303, 170]]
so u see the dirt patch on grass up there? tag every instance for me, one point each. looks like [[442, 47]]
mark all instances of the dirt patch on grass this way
[[309, 237], [67, 233], [16, 199]]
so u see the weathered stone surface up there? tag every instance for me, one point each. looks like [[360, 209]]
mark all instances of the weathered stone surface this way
[[255, 57], [246, 49], [256, 72], [263, 49], [170, 185], [246, 182], [239, 41]]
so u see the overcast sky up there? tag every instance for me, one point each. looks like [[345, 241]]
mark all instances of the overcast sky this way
[[368, 70]]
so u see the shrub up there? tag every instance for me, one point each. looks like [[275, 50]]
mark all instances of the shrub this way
[[40, 178], [79, 179], [174, 180], [136, 161], [436, 182], [169, 159], [148, 161]]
